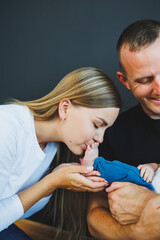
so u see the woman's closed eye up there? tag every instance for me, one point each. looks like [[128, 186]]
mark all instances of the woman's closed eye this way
[[95, 125]]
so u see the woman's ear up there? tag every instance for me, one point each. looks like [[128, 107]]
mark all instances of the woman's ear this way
[[123, 79], [63, 107]]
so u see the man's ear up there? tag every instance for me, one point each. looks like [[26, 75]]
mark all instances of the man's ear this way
[[123, 79], [63, 108]]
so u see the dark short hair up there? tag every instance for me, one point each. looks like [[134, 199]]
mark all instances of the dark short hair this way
[[137, 35]]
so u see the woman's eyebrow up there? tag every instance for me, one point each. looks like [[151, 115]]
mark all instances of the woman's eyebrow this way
[[104, 121]]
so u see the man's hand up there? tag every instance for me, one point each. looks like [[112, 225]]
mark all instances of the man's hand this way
[[127, 201]]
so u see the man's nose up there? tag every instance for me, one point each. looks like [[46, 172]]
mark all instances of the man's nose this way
[[156, 84]]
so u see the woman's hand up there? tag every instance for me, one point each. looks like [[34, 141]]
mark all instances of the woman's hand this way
[[75, 177], [71, 176]]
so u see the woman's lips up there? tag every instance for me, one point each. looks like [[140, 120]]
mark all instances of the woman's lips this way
[[84, 146]]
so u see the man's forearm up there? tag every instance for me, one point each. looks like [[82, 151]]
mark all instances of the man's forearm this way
[[103, 226], [146, 203]]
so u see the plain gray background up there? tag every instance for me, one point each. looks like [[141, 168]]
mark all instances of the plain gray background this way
[[42, 40]]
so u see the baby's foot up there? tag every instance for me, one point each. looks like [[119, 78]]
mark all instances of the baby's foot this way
[[91, 154]]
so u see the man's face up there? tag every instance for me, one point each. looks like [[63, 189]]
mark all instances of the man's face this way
[[143, 76]]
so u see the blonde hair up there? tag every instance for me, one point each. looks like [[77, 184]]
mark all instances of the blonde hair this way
[[87, 87]]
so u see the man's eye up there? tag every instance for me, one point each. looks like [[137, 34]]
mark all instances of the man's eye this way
[[146, 80], [95, 125]]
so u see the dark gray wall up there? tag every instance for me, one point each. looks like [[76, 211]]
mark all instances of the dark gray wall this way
[[42, 40]]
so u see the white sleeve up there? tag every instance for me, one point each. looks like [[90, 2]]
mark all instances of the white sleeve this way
[[11, 207]]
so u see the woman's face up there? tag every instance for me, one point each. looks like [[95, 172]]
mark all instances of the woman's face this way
[[83, 126]]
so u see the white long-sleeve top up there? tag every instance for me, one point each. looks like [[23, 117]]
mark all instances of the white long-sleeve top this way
[[22, 162]]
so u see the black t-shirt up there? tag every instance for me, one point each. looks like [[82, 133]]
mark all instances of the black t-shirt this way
[[134, 138]]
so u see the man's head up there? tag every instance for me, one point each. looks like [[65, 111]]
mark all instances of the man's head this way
[[138, 51]]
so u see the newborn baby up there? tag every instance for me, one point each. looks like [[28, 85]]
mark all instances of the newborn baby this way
[[147, 175]]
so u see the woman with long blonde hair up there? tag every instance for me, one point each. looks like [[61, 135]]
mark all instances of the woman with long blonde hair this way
[[40, 145]]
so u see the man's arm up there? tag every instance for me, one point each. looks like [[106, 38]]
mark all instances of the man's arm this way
[[101, 224], [148, 226]]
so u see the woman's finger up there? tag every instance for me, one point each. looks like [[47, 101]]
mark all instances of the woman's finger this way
[[80, 168], [97, 179], [93, 173], [90, 184], [97, 189]]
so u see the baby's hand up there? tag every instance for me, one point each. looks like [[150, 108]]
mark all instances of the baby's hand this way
[[147, 171], [91, 154]]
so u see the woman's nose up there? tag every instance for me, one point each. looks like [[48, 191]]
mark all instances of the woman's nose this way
[[99, 138]]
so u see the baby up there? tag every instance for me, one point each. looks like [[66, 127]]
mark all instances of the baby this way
[[150, 172]]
